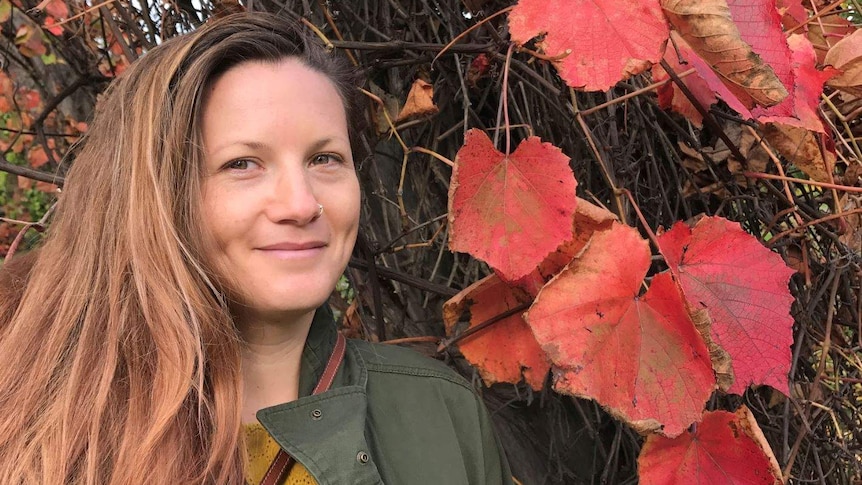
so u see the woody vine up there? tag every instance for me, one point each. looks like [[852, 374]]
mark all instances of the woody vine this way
[[577, 129]]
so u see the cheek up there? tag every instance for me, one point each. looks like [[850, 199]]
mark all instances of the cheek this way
[[344, 206], [353, 203], [215, 219]]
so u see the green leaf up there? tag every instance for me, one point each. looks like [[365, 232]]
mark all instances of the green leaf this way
[[49, 59], [5, 10]]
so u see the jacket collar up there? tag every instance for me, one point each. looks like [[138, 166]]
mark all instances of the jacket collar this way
[[318, 347], [326, 432]]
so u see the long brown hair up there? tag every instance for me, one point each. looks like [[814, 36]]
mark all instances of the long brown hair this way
[[119, 360]]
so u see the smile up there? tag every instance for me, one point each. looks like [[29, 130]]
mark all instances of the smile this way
[[290, 250]]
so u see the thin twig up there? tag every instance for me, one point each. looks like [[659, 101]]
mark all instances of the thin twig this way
[[845, 188]]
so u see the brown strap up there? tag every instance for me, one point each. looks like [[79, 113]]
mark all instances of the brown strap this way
[[283, 462]]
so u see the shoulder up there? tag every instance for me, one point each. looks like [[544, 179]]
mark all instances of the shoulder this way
[[427, 423], [385, 359]]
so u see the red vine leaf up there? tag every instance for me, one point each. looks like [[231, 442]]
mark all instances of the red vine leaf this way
[[588, 219], [792, 13], [725, 448], [670, 96], [743, 285], [759, 25], [639, 356], [50, 26], [705, 72], [584, 29], [510, 211], [507, 350], [709, 29], [800, 108]]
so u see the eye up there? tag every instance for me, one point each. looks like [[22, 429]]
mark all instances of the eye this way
[[240, 164], [326, 158]]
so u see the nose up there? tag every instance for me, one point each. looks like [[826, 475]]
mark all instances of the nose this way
[[292, 198]]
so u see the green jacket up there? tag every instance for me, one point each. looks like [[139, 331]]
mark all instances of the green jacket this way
[[391, 416]]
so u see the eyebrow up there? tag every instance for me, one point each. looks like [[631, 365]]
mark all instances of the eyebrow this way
[[256, 145]]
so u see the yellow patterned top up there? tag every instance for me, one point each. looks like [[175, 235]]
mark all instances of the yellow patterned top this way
[[261, 449]]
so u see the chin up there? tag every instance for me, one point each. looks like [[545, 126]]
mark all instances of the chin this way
[[292, 299]]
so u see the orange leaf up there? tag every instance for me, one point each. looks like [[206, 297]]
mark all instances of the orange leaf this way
[[588, 218], [29, 99], [37, 156], [743, 285], [46, 187], [510, 211], [506, 350], [7, 90], [419, 103], [606, 40], [640, 357], [709, 29], [25, 183], [846, 56], [725, 449], [51, 27]]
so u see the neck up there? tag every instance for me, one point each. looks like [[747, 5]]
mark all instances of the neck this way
[[271, 359]]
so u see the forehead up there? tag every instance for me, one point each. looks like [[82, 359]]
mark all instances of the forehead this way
[[274, 102], [288, 74]]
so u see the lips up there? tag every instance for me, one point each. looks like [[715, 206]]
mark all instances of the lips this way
[[294, 251], [293, 246]]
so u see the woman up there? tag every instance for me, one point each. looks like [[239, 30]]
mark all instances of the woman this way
[[175, 321]]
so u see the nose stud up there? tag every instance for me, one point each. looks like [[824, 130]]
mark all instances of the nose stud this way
[[319, 210]]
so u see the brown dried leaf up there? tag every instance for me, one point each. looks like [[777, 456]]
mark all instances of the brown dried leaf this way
[[852, 235], [419, 103], [721, 362], [390, 104], [351, 322], [802, 148], [29, 41], [756, 157], [853, 174], [692, 160], [709, 29], [846, 55], [795, 260], [823, 35]]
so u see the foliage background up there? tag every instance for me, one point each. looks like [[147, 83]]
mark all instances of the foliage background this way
[[402, 271]]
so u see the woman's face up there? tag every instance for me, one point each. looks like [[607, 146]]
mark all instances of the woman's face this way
[[276, 148]]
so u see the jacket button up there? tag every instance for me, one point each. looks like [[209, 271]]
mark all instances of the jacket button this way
[[316, 414], [362, 457]]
